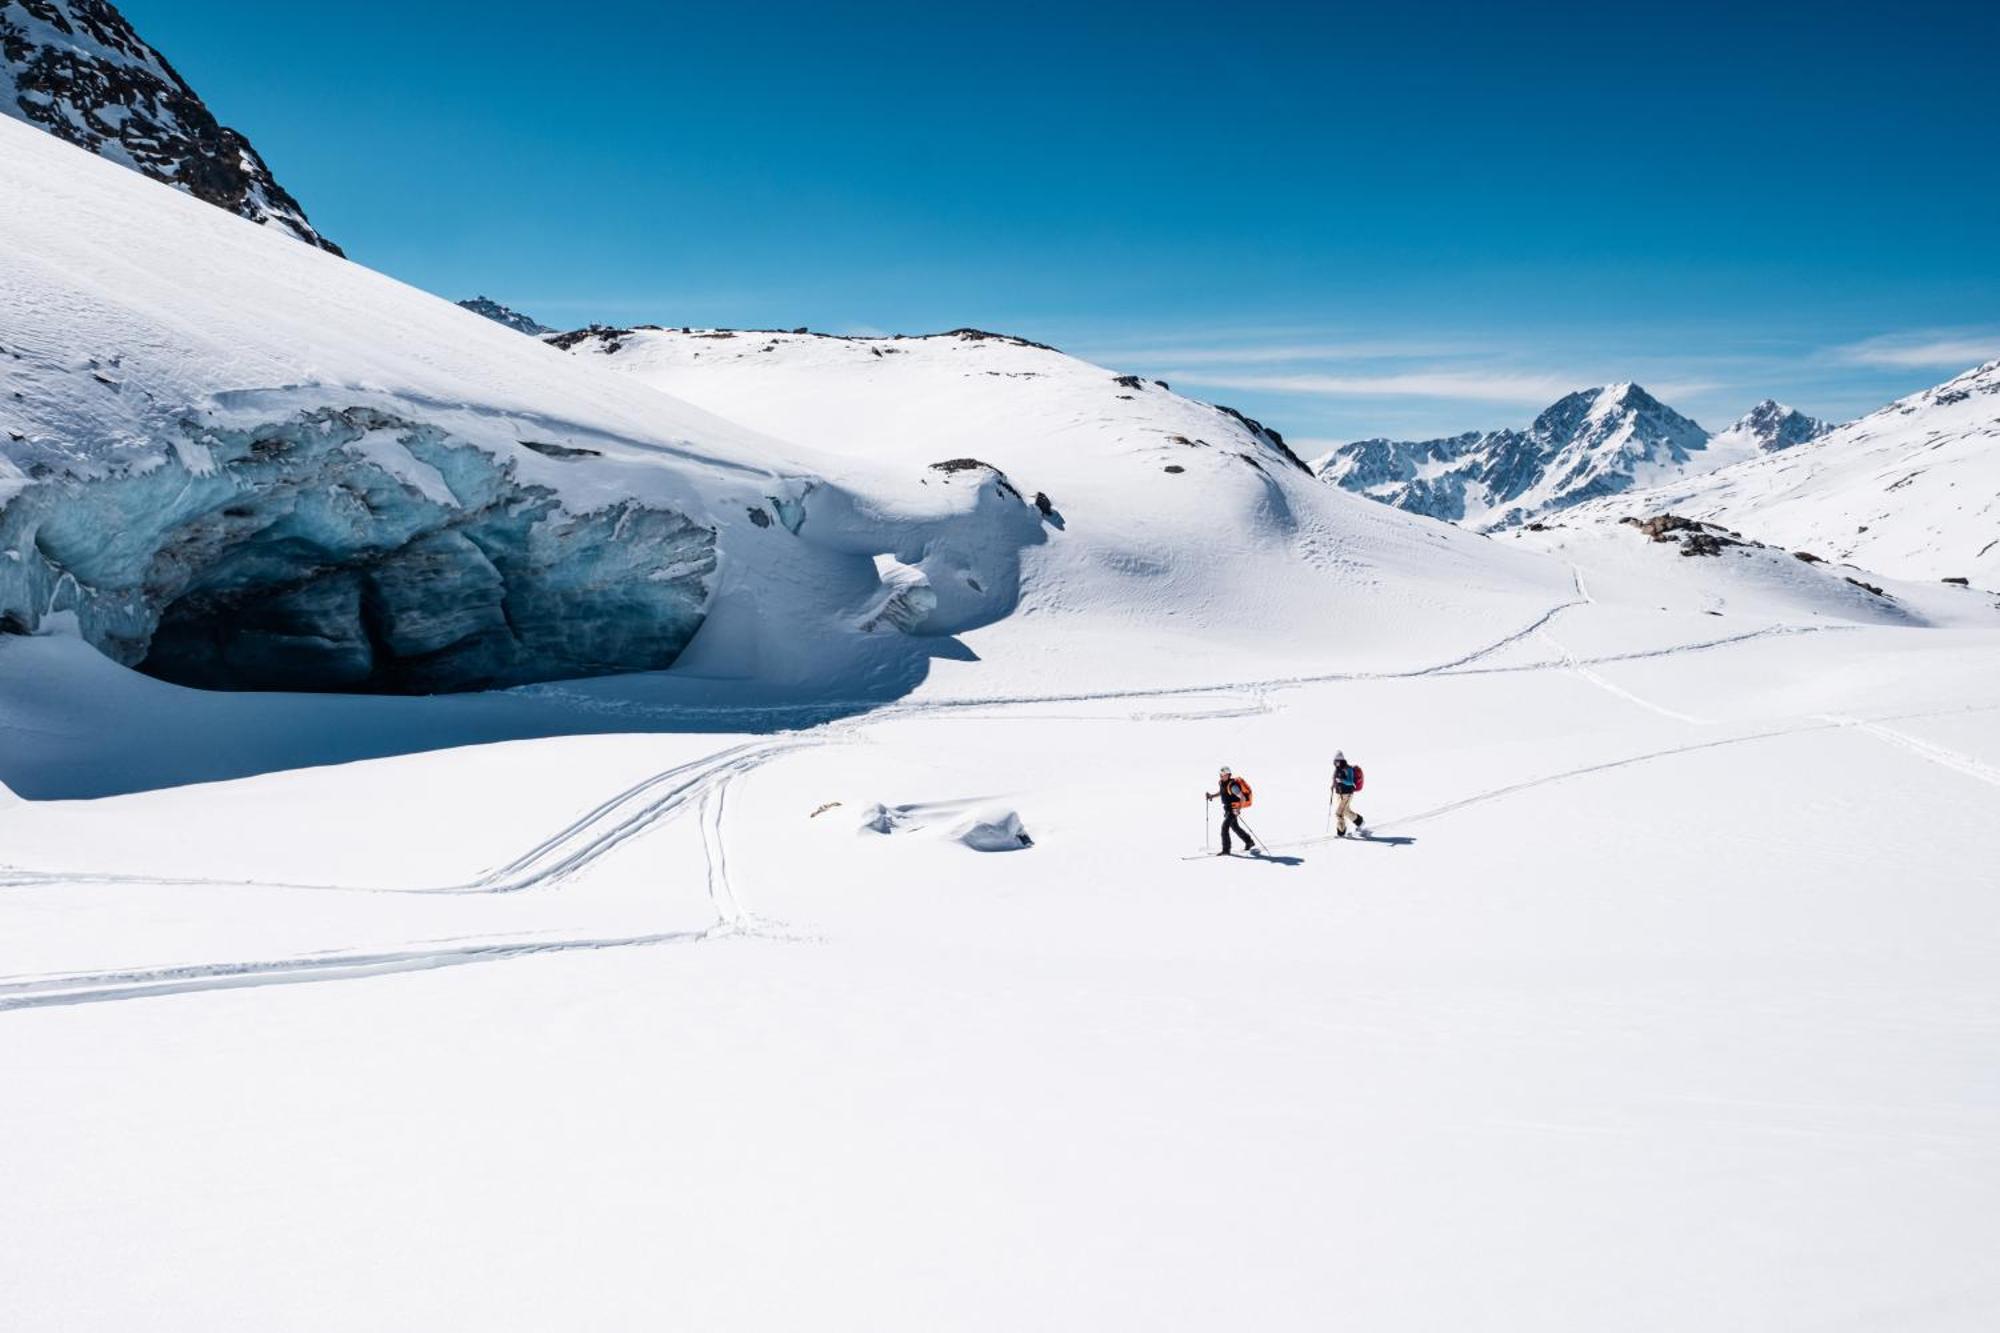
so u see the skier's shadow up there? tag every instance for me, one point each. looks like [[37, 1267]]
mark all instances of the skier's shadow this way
[[1270, 860], [1386, 839]]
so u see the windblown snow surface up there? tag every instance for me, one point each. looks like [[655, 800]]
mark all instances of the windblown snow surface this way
[[1663, 998]]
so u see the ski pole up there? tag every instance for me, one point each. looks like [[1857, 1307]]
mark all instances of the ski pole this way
[[1206, 819]]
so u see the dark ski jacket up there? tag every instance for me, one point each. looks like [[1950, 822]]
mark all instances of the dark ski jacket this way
[[1343, 779], [1229, 794]]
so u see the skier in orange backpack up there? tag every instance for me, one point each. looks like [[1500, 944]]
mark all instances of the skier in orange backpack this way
[[1234, 793]]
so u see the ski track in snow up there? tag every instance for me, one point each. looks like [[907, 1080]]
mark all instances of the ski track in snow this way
[[1826, 722], [87, 988], [613, 822], [1584, 673], [1923, 749], [704, 783]]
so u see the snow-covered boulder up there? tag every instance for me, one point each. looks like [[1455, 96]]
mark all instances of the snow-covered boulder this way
[[984, 826]]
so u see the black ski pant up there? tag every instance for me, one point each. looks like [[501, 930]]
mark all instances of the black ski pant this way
[[1230, 823]]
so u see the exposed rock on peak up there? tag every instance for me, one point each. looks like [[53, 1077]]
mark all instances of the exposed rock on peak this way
[[1769, 427], [500, 314], [1591, 443], [77, 69]]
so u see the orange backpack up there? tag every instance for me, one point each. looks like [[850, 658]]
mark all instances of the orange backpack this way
[[1242, 787]]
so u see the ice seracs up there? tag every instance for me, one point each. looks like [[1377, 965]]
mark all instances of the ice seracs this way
[[77, 69]]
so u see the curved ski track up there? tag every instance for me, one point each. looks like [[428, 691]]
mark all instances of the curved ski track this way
[[704, 783]]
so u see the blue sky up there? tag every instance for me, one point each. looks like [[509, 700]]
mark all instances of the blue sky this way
[[1348, 220]]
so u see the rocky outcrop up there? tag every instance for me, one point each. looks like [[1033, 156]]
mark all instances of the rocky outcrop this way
[[77, 69], [500, 314]]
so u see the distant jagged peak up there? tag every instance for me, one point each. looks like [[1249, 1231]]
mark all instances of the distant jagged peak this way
[[1593, 442], [1771, 426], [77, 69], [501, 314]]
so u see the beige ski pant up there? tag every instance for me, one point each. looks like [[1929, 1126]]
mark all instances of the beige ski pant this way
[[1343, 811]]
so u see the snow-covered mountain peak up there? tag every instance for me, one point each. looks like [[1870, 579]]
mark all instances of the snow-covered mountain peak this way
[[77, 69], [1767, 428], [1625, 412], [1593, 442]]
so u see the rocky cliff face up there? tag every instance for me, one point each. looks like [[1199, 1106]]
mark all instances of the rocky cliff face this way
[[77, 69]]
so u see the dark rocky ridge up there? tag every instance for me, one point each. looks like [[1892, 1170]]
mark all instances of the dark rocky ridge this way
[[507, 315], [76, 69]]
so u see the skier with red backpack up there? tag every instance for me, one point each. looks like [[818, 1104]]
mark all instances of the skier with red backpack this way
[[1234, 793], [1347, 780]]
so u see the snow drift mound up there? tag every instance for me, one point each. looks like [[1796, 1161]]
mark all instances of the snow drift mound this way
[[241, 462], [1184, 541], [981, 825], [1911, 491]]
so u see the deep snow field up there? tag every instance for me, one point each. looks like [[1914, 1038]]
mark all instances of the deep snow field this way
[[865, 970], [1665, 998]]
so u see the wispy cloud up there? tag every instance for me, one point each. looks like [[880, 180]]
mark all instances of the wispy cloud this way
[[1278, 354], [1940, 350], [1485, 386]]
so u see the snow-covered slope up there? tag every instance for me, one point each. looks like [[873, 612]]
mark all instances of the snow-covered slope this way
[[239, 461], [1184, 540], [1911, 491], [505, 315], [77, 69], [1662, 1000], [1594, 442]]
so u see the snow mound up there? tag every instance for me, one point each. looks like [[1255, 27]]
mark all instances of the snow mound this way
[[981, 825], [1180, 541]]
